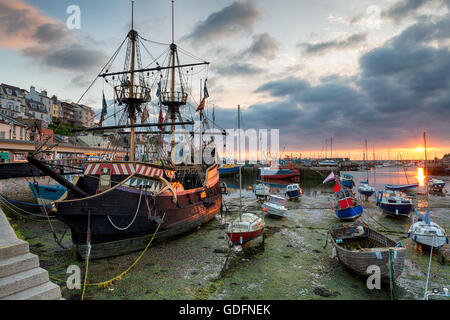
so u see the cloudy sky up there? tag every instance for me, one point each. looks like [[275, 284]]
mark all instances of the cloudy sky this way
[[351, 70]]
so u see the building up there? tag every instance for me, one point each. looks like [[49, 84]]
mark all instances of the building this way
[[68, 114], [36, 110], [13, 101], [13, 129], [56, 110], [87, 116], [12, 108], [39, 106]]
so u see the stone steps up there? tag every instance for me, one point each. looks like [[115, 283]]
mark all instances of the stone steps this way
[[21, 278], [21, 281], [13, 249], [18, 263], [45, 291]]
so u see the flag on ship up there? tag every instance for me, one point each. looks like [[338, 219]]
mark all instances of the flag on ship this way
[[336, 188], [104, 110], [158, 92], [161, 119], [201, 107], [205, 90], [144, 115]]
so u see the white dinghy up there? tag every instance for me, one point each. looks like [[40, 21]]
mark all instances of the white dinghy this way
[[428, 233], [275, 206]]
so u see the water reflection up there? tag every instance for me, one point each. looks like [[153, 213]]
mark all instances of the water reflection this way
[[420, 177]]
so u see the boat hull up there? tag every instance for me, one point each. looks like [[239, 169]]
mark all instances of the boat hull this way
[[118, 209], [349, 214], [274, 211], [397, 209], [426, 241], [228, 171], [45, 194], [367, 193], [293, 195], [358, 261], [279, 174], [408, 188], [348, 183], [239, 238]]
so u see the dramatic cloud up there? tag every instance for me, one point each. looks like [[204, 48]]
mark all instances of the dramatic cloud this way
[[402, 9], [403, 88], [238, 69], [22, 25], [263, 46], [73, 57], [237, 18], [44, 39], [332, 45]]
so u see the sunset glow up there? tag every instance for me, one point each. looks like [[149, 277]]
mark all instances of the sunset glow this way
[[420, 149]]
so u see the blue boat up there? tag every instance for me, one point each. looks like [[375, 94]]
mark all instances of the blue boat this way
[[293, 191], [228, 169], [409, 188], [365, 189], [347, 180], [347, 207], [45, 194], [394, 203]]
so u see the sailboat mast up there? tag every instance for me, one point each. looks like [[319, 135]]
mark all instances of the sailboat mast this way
[[131, 93], [425, 149], [239, 159], [331, 148]]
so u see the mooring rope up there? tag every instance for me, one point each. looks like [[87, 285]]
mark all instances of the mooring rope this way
[[429, 267], [107, 283]]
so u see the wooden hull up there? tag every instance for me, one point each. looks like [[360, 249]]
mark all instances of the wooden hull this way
[[119, 208], [358, 260], [124, 218]]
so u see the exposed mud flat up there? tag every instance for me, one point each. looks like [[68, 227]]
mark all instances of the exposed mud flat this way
[[293, 264]]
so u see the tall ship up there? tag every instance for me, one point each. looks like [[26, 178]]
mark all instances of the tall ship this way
[[114, 206]]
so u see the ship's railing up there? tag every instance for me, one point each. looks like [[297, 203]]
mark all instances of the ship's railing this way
[[141, 93], [178, 97]]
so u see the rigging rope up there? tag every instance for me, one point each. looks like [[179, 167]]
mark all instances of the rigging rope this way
[[135, 215]]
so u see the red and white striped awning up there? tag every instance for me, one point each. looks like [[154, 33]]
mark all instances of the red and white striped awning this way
[[127, 169]]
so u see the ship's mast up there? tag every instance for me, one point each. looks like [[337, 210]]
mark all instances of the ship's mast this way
[[132, 113], [239, 160]]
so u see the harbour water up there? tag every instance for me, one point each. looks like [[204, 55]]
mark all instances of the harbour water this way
[[295, 263]]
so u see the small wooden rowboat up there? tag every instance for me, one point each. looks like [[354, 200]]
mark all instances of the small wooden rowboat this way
[[359, 247]]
